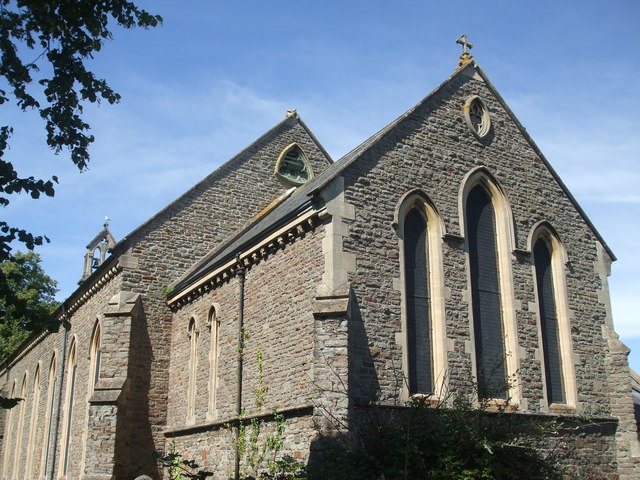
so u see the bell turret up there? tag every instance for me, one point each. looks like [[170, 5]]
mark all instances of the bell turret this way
[[97, 251]]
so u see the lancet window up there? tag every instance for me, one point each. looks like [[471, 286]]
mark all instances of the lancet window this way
[[420, 232], [549, 258], [67, 417]]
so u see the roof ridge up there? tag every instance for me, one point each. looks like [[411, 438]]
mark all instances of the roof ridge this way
[[356, 152], [554, 174]]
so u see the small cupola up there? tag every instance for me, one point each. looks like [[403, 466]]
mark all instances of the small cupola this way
[[97, 250]]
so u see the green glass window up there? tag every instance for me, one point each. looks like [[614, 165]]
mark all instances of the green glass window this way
[[293, 166]]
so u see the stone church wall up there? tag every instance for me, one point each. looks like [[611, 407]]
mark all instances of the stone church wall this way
[[278, 320], [83, 321], [433, 150], [324, 309], [150, 258], [170, 243]]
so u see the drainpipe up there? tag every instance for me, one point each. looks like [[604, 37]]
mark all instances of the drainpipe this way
[[57, 425], [240, 272]]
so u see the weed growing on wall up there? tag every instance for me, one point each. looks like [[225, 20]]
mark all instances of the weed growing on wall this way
[[258, 450], [179, 468]]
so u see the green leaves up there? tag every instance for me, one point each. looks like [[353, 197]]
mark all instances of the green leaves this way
[[179, 468], [27, 300], [60, 35], [441, 441]]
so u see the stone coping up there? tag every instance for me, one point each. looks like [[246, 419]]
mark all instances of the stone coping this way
[[293, 411], [554, 414]]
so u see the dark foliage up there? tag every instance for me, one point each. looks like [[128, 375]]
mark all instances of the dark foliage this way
[[35, 289], [453, 442]]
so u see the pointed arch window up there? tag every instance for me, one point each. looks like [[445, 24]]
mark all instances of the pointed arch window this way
[[214, 325], [548, 323], [193, 366], [293, 166], [9, 428], [423, 320], [96, 357], [486, 293], [47, 441], [555, 336], [420, 372], [20, 427], [72, 367], [33, 423]]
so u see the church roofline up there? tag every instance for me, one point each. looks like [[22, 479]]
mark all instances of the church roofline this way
[[294, 204], [111, 265], [330, 173], [282, 211], [542, 157], [123, 244]]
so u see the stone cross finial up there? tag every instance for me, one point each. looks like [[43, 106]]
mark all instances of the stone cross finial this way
[[466, 46]]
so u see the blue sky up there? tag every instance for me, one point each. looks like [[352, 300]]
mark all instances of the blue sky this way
[[217, 75]]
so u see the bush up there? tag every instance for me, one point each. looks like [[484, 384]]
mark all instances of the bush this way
[[454, 440]]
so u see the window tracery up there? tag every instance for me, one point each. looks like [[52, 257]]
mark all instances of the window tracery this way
[[293, 166]]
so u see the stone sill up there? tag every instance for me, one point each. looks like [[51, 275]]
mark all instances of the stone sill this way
[[510, 411], [295, 411]]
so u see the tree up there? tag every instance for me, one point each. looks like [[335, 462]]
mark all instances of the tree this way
[[36, 289], [57, 37], [33, 304]]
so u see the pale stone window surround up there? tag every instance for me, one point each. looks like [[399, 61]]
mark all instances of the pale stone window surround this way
[[67, 415], [476, 115], [22, 406], [559, 260], [47, 441], [33, 423], [95, 357], [505, 243], [8, 429], [308, 170], [192, 334], [437, 291], [213, 322]]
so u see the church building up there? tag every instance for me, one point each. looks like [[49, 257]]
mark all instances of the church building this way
[[443, 251]]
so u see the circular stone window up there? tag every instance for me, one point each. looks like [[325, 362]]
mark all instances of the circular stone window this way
[[477, 116]]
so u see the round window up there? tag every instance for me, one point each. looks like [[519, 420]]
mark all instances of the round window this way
[[477, 116]]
